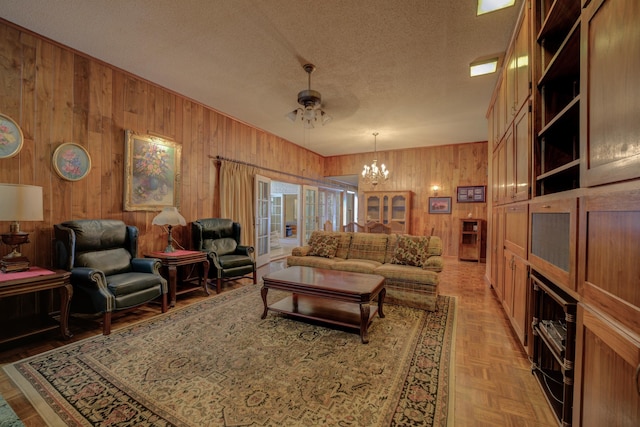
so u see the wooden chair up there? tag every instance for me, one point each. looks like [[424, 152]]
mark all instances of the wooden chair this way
[[328, 226], [378, 227], [354, 227]]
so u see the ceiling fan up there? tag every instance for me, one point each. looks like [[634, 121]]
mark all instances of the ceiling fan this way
[[311, 101]]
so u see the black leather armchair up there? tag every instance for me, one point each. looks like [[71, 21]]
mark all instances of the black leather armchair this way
[[105, 272], [220, 239]]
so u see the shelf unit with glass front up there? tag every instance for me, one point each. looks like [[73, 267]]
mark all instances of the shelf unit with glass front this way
[[392, 208], [557, 145]]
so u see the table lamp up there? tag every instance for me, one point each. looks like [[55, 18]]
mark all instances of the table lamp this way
[[18, 203], [169, 217]]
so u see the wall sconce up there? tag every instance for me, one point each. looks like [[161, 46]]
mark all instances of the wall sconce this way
[[435, 189], [169, 217]]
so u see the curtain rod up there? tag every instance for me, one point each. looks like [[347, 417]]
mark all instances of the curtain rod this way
[[304, 178]]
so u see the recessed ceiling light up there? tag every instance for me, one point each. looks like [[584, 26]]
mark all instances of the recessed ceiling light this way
[[486, 6], [483, 66]]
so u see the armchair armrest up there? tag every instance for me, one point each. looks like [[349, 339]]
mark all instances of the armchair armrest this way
[[213, 257], [245, 250], [146, 265], [94, 284]]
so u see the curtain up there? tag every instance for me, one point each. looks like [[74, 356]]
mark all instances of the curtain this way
[[237, 198]]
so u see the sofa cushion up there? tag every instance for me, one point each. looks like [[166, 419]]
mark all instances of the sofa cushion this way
[[405, 273], [323, 245], [410, 250], [368, 246], [312, 261], [357, 266]]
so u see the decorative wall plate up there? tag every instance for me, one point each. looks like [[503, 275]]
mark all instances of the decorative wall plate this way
[[11, 137], [71, 161]]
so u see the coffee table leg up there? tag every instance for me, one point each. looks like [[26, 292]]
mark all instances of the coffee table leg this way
[[381, 296], [263, 292], [365, 310]]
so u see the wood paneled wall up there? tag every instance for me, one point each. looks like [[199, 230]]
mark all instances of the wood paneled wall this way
[[417, 170], [59, 95]]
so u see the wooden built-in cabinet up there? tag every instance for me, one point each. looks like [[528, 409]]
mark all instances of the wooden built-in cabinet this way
[[566, 249], [392, 208]]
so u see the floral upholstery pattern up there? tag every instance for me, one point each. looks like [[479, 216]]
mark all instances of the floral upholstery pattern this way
[[410, 250], [323, 245]]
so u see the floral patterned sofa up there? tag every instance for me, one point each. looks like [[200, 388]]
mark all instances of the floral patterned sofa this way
[[410, 264]]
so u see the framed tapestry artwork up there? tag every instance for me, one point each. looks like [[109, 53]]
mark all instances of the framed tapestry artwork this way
[[71, 161], [11, 137], [471, 194], [439, 205], [151, 172]]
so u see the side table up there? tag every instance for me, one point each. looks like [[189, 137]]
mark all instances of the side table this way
[[172, 260], [34, 280]]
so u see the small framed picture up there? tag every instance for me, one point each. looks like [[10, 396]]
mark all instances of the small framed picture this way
[[11, 137], [439, 205], [71, 161], [471, 194]]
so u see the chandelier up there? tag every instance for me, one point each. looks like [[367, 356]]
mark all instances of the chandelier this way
[[374, 174], [311, 100]]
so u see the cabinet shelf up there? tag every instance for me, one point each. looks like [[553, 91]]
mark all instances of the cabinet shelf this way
[[558, 14], [566, 61]]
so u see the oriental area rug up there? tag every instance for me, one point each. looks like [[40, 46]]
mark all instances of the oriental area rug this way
[[216, 363]]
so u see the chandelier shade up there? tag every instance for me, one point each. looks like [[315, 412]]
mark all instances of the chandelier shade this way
[[310, 112], [373, 174]]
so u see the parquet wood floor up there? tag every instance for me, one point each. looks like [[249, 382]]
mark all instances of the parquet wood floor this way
[[493, 381]]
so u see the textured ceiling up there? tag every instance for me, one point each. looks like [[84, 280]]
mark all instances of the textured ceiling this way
[[399, 67]]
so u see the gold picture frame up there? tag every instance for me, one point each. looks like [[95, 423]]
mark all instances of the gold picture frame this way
[[151, 173], [11, 137], [71, 161]]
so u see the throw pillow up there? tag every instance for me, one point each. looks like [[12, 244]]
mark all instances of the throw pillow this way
[[323, 245], [410, 250]]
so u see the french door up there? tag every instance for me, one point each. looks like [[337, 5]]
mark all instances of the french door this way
[[263, 219], [309, 211]]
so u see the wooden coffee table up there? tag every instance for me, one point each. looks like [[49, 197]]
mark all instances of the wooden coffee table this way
[[335, 297]]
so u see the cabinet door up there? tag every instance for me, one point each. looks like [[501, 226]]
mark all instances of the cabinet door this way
[[520, 313], [516, 219], [507, 300], [553, 227], [522, 53], [522, 156], [373, 207], [607, 388], [610, 80], [497, 251], [609, 270]]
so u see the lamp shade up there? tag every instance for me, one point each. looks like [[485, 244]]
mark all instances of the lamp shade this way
[[20, 202], [169, 216]]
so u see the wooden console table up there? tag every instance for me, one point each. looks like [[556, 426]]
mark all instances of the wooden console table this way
[[37, 279], [172, 260]]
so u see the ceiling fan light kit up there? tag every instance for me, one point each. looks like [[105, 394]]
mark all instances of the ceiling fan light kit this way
[[311, 101]]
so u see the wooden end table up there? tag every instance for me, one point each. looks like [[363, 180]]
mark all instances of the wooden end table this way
[[172, 260], [34, 280], [335, 297]]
